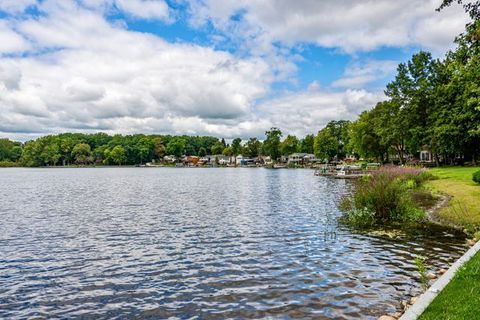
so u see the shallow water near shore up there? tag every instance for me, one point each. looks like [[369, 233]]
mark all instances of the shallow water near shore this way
[[198, 243]]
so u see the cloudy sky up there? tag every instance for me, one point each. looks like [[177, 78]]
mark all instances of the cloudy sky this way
[[226, 68]]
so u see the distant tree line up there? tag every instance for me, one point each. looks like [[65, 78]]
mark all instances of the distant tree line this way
[[101, 148]]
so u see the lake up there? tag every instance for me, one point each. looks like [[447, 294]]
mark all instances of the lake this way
[[197, 243]]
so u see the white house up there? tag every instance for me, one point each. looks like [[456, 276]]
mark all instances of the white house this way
[[301, 158]]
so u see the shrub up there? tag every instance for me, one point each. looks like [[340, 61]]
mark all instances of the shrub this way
[[476, 177], [6, 164], [362, 218], [387, 195]]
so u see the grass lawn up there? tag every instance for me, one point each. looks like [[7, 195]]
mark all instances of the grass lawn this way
[[464, 207], [460, 299]]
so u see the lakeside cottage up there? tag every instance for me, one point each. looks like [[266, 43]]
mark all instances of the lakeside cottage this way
[[301, 158]]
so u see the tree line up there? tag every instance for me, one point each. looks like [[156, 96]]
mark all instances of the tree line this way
[[101, 148]]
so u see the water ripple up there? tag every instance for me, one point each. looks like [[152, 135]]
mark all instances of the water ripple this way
[[196, 243]]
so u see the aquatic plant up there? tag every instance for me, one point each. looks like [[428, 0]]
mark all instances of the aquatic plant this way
[[422, 270], [386, 196]]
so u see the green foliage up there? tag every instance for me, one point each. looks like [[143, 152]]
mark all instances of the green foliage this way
[[306, 144], [271, 144], [289, 145], [388, 193], [176, 146], [218, 147], [82, 153], [7, 164], [117, 155], [422, 271], [476, 177], [252, 148], [359, 218], [332, 141], [236, 146], [10, 150]]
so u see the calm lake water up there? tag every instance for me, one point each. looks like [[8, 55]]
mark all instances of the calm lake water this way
[[196, 243]]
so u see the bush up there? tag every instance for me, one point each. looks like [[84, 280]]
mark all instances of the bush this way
[[476, 177], [387, 195], [362, 218], [7, 164]]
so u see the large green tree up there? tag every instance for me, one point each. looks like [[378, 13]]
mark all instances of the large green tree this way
[[271, 144], [82, 153]]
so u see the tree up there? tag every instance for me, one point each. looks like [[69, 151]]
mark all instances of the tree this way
[[411, 94], [176, 146], [236, 146], [218, 147], [306, 144], [289, 145], [118, 155], [364, 139], [272, 143], [252, 148], [332, 141], [50, 154], [325, 145], [82, 153], [471, 7], [202, 152], [158, 148]]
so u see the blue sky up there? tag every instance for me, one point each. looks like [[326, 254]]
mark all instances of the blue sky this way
[[213, 67]]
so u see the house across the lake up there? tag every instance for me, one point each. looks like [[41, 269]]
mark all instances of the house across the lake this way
[[301, 158]]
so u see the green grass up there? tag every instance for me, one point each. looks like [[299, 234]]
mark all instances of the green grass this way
[[464, 207], [460, 299]]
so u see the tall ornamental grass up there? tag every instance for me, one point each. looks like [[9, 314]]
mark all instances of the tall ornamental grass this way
[[387, 195]]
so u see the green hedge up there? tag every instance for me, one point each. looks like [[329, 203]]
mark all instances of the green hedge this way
[[476, 177]]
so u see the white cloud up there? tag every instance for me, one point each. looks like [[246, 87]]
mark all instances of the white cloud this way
[[10, 41], [347, 25], [70, 69], [15, 6], [92, 77], [358, 75], [301, 113], [142, 9]]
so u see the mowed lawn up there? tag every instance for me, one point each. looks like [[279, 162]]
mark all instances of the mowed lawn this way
[[460, 299], [464, 207]]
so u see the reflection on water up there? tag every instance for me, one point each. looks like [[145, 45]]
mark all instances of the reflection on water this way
[[206, 243]]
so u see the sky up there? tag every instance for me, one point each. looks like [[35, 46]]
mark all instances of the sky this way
[[226, 68]]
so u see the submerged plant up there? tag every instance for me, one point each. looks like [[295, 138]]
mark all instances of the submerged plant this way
[[422, 270]]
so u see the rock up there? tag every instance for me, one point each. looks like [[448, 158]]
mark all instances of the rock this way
[[386, 317], [413, 300], [471, 242], [442, 271], [404, 304], [431, 276], [397, 315]]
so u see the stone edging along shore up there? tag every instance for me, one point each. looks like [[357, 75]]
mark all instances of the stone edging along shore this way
[[426, 298]]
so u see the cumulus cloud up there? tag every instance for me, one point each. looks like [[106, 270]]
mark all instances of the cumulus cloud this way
[[302, 112], [15, 6], [350, 25], [92, 77], [69, 68], [358, 75]]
